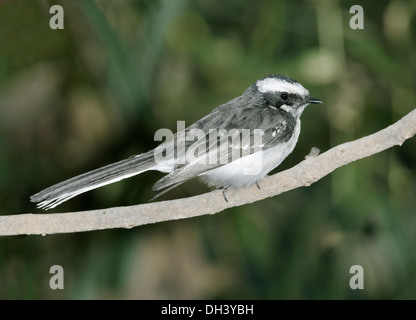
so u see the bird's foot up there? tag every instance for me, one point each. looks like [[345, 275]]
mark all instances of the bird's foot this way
[[224, 190], [313, 153]]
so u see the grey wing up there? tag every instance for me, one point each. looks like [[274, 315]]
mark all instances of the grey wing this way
[[219, 146]]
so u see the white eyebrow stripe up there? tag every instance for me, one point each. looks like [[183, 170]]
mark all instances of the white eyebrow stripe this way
[[277, 85]]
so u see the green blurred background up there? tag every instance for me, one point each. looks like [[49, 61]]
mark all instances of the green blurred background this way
[[96, 92]]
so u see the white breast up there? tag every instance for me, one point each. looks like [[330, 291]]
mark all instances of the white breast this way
[[252, 168]]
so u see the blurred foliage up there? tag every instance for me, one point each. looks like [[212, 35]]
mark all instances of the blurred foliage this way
[[95, 92]]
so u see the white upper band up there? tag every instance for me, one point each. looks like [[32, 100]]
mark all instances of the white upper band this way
[[278, 85]]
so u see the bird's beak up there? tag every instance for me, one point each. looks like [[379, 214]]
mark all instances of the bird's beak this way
[[313, 100]]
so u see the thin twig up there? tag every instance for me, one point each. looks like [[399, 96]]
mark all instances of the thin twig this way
[[304, 174]]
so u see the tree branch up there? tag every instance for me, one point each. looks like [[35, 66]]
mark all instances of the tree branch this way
[[304, 174]]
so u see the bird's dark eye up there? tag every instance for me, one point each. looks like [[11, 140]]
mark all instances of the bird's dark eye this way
[[284, 96]]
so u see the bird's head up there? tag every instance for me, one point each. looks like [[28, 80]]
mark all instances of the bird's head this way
[[285, 93]]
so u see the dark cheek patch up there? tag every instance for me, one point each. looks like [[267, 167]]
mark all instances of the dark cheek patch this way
[[272, 99]]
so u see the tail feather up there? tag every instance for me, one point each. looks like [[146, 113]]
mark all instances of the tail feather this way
[[162, 191], [63, 191]]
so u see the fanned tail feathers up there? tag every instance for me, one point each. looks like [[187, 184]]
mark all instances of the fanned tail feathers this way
[[63, 191]]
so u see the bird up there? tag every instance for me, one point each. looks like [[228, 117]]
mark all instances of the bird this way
[[237, 144]]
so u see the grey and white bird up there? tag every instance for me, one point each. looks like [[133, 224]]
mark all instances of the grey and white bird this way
[[270, 108]]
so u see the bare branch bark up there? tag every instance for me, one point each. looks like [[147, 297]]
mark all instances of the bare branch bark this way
[[304, 174]]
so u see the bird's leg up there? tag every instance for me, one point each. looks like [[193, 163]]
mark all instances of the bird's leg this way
[[257, 184], [224, 190]]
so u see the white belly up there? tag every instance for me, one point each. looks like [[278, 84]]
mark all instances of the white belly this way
[[252, 168]]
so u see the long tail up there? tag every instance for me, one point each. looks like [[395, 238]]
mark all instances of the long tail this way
[[63, 191]]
